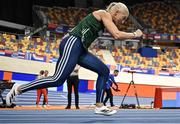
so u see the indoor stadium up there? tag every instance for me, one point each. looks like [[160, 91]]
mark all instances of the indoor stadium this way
[[89, 61]]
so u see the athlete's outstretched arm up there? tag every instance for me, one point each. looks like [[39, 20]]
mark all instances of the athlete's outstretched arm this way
[[107, 20]]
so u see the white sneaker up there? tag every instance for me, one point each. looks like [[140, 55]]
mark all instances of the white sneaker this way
[[44, 106], [104, 111], [10, 97]]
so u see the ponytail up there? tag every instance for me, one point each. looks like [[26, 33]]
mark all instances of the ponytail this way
[[110, 6], [115, 6]]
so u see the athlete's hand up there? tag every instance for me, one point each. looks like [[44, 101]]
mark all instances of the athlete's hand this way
[[116, 89], [138, 33]]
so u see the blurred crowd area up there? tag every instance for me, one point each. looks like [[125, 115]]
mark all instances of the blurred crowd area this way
[[162, 17], [126, 55], [167, 59], [35, 45]]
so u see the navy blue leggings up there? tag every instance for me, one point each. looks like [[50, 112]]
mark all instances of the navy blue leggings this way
[[72, 52]]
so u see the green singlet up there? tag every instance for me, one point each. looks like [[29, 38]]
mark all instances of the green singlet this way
[[87, 30]]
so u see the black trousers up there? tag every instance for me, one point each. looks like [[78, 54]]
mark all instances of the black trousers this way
[[109, 96], [73, 81]]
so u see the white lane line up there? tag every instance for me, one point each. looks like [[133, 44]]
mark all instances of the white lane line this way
[[95, 117], [63, 96]]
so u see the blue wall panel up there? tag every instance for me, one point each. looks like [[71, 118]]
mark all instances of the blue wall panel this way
[[1, 75], [83, 86], [60, 88], [177, 99], [23, 77], [147, 52], [169, 103]]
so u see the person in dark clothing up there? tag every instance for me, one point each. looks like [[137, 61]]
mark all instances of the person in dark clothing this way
[[73, 80], [108, 87]]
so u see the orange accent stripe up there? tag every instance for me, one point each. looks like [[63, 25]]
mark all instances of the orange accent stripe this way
[[169, 95], [170, 89], [7, 75], [142, 90], [90, 85], [61, 107]]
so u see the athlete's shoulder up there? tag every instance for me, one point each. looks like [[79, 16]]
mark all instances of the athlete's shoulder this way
[[99, 14]]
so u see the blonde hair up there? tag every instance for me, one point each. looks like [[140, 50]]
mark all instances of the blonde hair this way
[[115, 6]]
